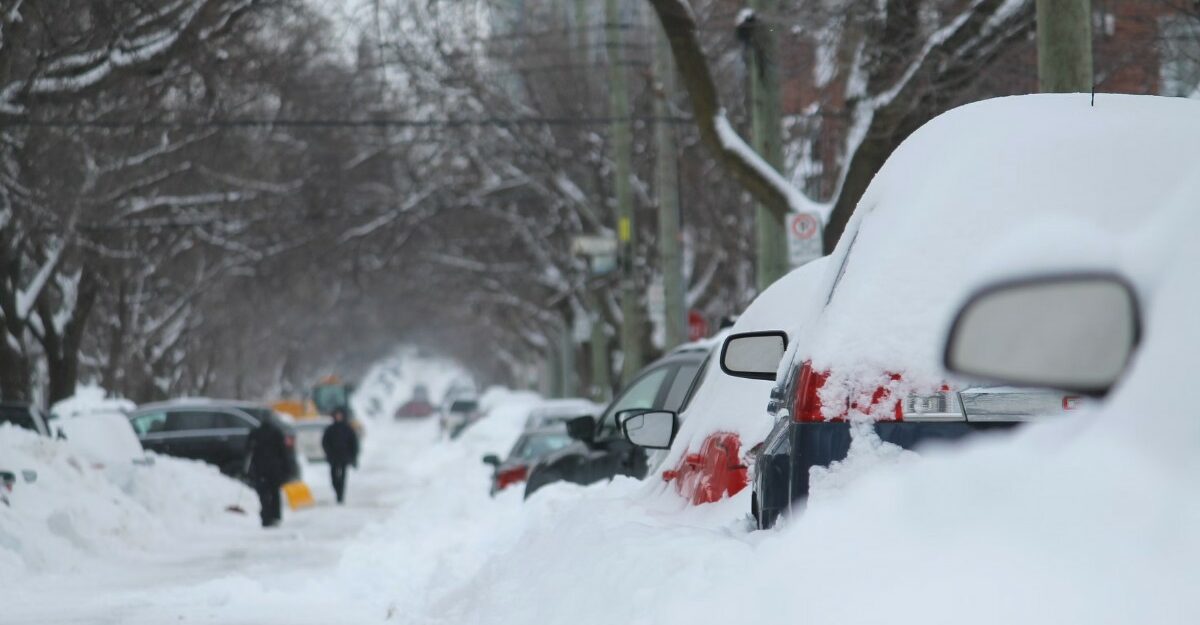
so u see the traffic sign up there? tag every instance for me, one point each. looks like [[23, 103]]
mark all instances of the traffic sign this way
[[804, 238]]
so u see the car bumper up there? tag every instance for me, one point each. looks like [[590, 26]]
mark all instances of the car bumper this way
[[811, 445]]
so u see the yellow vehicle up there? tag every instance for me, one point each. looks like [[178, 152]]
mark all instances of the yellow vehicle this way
[[324, 396]]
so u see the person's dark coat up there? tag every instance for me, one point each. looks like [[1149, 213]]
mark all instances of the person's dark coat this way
[[269, 464], [340, 443]]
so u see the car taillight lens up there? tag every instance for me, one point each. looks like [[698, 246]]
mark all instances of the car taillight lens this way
[[1070, 402], [806, 404], [508, 477], [289, 441]]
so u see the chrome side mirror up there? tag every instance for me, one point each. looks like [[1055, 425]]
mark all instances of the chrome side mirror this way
[[1074, 332]]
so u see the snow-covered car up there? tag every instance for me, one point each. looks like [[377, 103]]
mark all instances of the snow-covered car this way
[[552, 412], [458, 414], [531, 446], [724, 419], [600, 451], [990, 186], [25, 415], [98, 429]]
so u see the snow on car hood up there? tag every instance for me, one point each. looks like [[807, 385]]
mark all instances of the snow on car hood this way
[[970, 179]]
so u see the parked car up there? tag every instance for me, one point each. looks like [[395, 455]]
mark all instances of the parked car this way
[[556, 412], [102, 436], [600, 451], [25, 415], [723, 421], [418, 406], [958, 198], [459, 414], [212, 430], [531, 446]]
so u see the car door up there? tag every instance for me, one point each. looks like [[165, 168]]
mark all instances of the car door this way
[[619, 457], [151, 429], [190, 434], [231, 430]]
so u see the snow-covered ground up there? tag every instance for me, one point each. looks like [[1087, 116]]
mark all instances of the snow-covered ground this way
[[1046, 527]]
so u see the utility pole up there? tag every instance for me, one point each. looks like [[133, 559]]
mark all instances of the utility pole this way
[[762, 75], [622, 144], [566, 360], [1064, 45], [601, 377], [667, 175]]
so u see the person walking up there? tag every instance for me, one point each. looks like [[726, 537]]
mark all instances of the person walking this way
[[340, 443], [268, 470]]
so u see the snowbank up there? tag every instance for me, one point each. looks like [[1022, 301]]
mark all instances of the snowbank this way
[[75, 516]]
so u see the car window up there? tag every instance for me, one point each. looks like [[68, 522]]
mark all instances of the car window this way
[[684, 376], [537, 445], [228, 420], [150, 423], [186, 421], [464, 406], [17, 416], [640, 394], [687, 400]]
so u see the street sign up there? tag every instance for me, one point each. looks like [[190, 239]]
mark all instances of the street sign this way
[[697, 325], [804, 238], [594, 245]]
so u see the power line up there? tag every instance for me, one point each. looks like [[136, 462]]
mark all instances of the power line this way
[[478, 122]]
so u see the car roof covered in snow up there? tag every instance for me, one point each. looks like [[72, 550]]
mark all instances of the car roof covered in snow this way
[[983, 190]]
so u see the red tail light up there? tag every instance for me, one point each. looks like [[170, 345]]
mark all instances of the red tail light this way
[[289, 441], [806, 405], [1070, 402], [514, 475]]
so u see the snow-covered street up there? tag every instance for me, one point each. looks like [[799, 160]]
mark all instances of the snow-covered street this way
[[390, 546]]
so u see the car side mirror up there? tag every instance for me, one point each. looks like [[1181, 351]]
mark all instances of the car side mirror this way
[[582, 428], [652, 429], [1070, 332], [29, 475], [753, 355], [491, 459]]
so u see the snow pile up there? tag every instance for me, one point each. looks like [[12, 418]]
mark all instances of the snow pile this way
[[75, 514], [90, 399]]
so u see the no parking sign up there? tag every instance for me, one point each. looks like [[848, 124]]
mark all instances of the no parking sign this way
[[804, 238]]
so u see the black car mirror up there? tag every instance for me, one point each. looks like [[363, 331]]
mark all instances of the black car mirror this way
[[582, 428], [652, 429], [754, 355], [1074, 332], [492, 459]]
